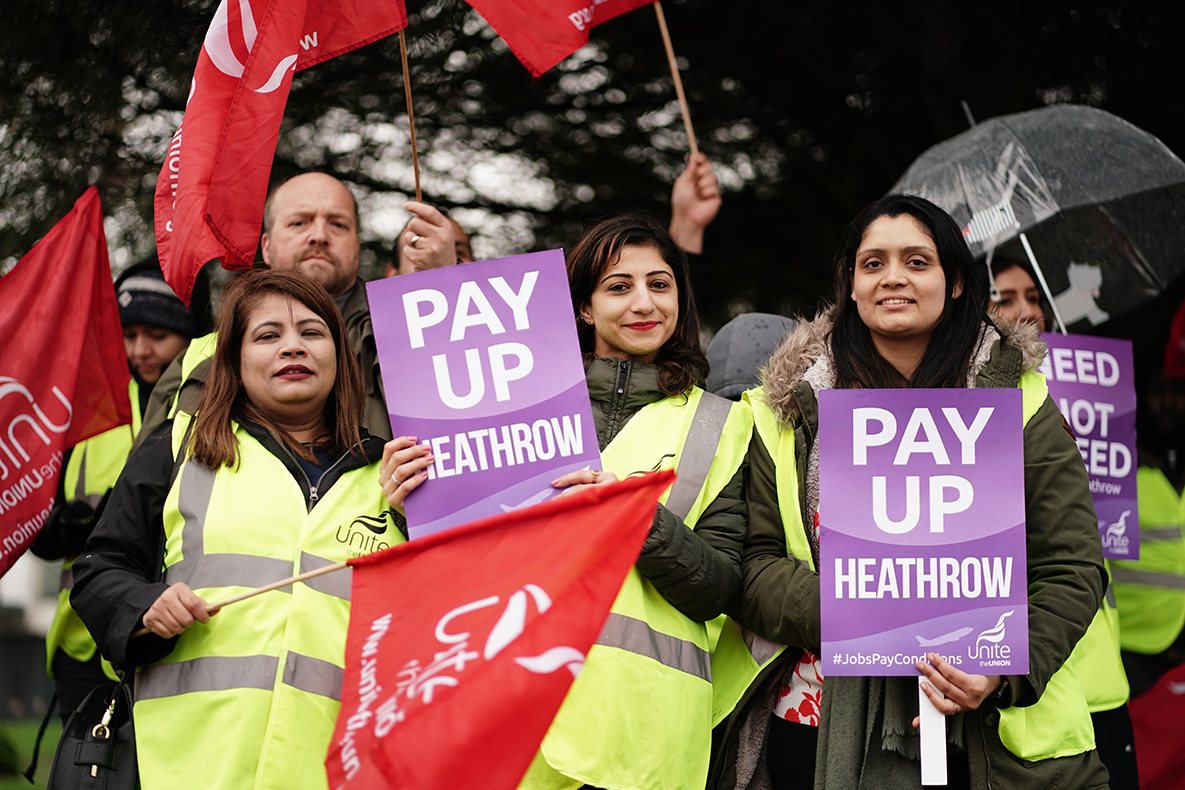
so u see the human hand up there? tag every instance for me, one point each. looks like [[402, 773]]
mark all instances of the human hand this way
[[404, 466], [963, 691], [428, 241], [175, 610], [695, 201], [574, 481]]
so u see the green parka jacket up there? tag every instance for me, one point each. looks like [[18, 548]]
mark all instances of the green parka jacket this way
[[697, 571], [780, 598]]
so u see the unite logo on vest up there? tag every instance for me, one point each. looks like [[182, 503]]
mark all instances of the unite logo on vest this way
[[365, 534]]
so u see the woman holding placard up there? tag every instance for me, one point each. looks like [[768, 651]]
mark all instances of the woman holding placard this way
[[909, 313], [640, 713], [272, 478]]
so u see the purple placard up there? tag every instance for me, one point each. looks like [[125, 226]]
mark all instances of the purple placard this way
[[1091, 380], [482, 362], [922, 530]]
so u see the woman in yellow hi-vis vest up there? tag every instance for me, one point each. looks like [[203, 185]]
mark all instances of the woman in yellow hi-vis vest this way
[[639, 716], [910, 313], [1097, 658], [156, 328], [273, 478]]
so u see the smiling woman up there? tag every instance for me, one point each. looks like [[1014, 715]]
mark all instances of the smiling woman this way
[[274, 478], [909, 314], [641, 712]]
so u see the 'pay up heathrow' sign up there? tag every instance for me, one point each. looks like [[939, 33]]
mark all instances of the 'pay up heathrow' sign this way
[[922, 530], [481, 362]]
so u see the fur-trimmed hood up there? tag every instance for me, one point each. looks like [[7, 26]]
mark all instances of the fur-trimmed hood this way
[[809, 341]]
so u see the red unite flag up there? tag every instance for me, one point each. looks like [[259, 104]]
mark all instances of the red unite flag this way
[[63, 371], [541, 33], [211, 190], [463, 643]]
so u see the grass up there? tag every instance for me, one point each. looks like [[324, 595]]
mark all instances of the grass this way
[[22, 733]]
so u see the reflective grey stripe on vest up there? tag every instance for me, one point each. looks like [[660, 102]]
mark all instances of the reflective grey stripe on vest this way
[[338, 583], [68, 578], [703, 440], [229, 570], [201, 570], [80, 487], [211, 673], [224, 673], [1147, 577], [1158, 534], [636, 636], [313, 675], [1109, 595]]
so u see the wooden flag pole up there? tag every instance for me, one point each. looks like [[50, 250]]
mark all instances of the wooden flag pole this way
[[214, 607], [411, 116], [666, 41]]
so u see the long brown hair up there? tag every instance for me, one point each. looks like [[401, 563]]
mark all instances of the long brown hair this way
[[681, 361], [224, 398]]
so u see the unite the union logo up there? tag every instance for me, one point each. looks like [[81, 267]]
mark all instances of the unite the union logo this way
[[993, 636]]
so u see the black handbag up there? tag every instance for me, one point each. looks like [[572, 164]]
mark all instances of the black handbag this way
[[97, 750]]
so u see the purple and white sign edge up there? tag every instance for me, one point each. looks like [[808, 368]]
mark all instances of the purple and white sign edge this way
[[1092, 381]]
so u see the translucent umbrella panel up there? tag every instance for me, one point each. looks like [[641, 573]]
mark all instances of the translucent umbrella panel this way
[[1102, 261]]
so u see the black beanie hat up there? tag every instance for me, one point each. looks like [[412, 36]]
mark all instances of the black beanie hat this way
[[145, 298]]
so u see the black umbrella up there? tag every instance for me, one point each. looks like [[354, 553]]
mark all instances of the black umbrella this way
[[1096, 204]]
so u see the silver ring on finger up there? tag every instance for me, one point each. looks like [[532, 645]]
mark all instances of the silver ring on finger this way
[[415, 237]]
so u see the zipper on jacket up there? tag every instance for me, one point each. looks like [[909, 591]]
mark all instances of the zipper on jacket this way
[[618, 403], [312, 494]]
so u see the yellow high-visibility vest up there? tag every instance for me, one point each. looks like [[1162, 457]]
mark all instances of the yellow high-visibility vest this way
[[639, 716], [254, 693]]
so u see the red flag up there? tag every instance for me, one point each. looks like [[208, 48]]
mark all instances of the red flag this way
[[541, 33], [462, 644], [210, 194], [63, 371], [1156, 713]]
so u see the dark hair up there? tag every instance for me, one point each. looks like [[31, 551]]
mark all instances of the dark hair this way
[[681, 361], [224, 398], [960, 326], [269, 211], [1002, 263]]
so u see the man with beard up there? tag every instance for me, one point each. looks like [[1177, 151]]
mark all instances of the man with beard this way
[[310, 225]]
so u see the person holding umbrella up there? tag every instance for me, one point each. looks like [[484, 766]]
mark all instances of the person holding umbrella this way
[[910, 312]]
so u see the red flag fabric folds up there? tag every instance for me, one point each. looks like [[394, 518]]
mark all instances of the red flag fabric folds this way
[[210, 194], [541, 33], [462, 644], [63, 370]]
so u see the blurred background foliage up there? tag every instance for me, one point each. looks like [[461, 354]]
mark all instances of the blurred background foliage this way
[[809, 111]]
